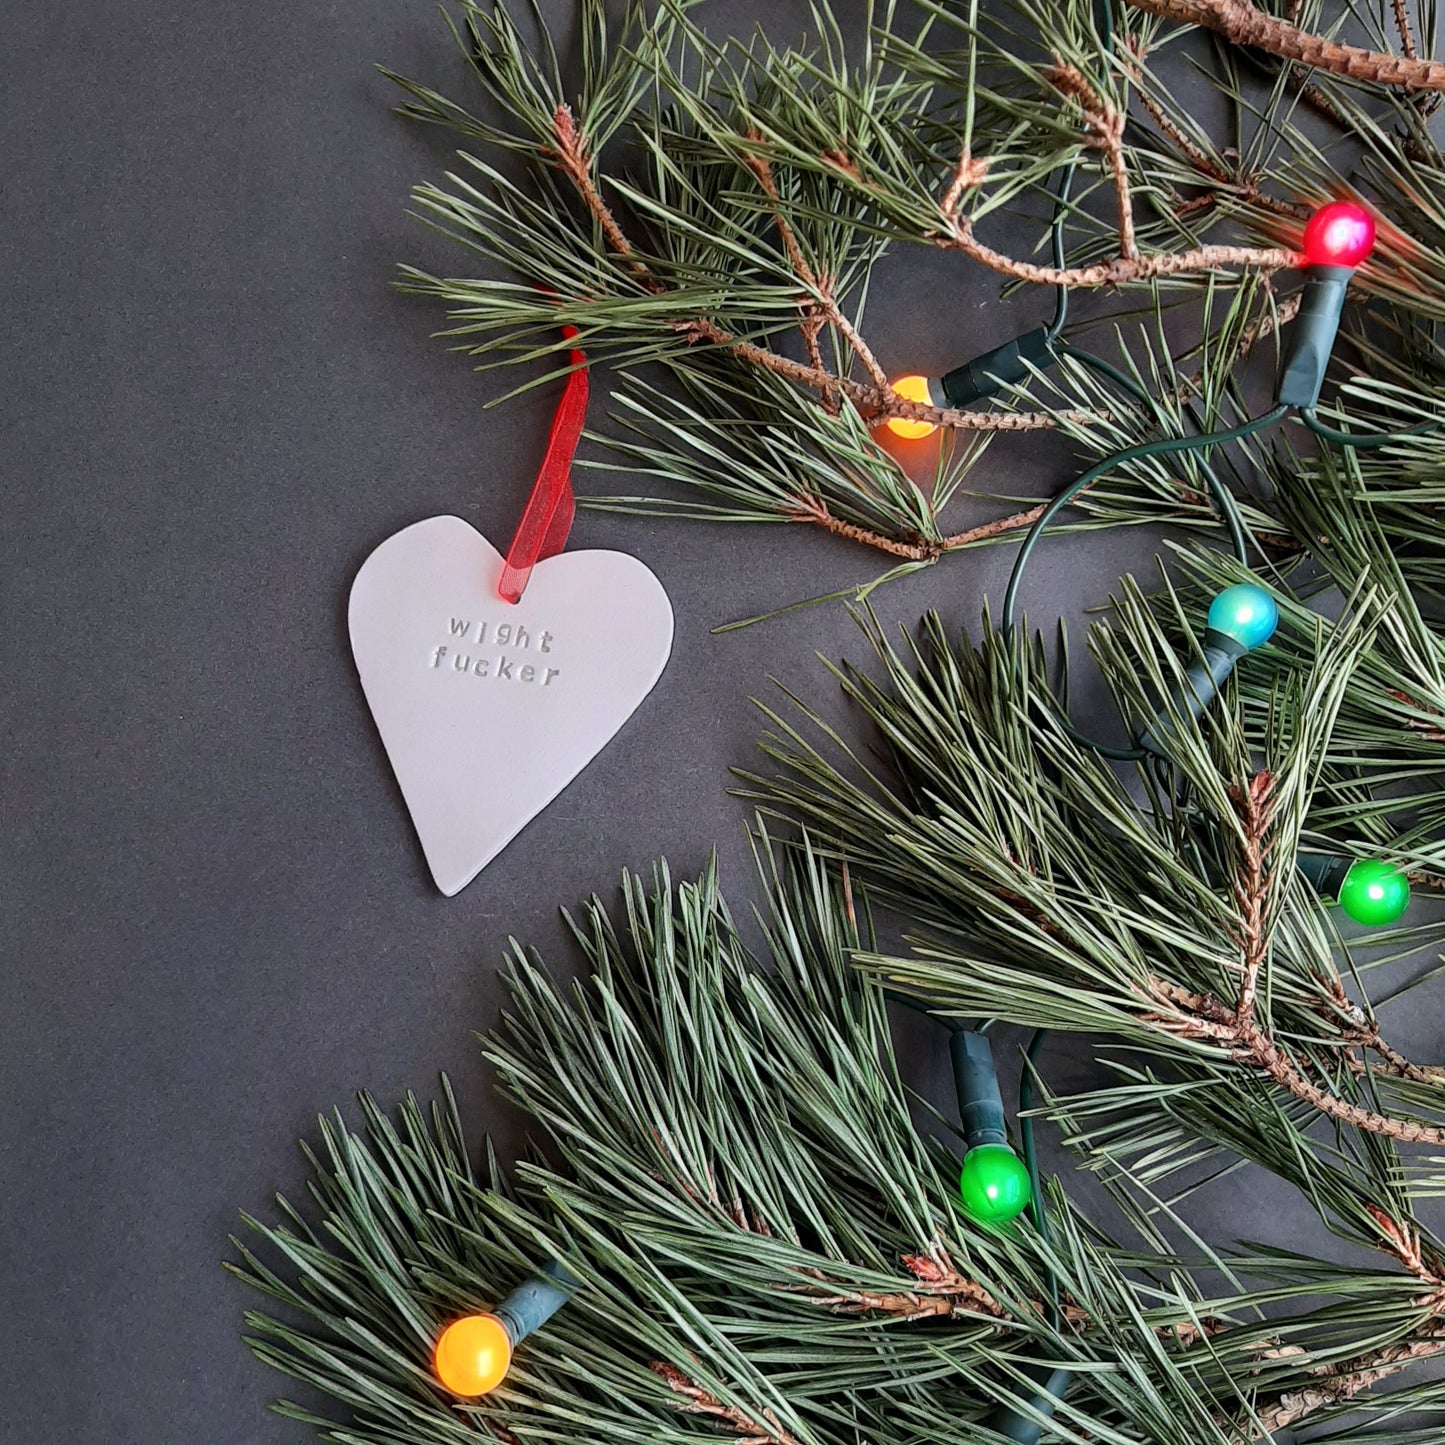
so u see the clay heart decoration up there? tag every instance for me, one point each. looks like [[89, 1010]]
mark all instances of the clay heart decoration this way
[[488, 710]]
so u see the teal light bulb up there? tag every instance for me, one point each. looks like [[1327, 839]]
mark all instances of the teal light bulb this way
[[1374, 893], [1245, 612], [994, 1184]]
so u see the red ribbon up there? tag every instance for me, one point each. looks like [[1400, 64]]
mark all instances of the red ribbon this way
[[547, 517]]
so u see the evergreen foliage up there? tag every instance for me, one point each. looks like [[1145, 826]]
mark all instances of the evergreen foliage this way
[[770, 1250], [709, 213]]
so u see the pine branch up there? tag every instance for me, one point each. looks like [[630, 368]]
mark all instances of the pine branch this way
[[754, 1431], [1243, 23]]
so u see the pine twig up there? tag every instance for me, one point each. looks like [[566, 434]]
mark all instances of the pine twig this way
[[1198, 1016], [1334, 1384], [1117, 271], [1105, 128], [753, 1431], [924, 550], [1402, 25], [813, 308], [1256, 812], [572, 154], [874, 401], [1121, 269], [1243, 23], [826, 309], [1244, 188]]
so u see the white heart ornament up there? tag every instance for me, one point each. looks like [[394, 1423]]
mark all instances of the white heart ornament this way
[[488, 709]]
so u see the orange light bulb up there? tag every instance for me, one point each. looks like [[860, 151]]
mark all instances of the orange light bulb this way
[[472, 1355], [911, 388]]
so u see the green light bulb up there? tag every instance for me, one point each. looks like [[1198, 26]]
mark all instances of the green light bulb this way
[[1245, 612], [1374, 893], [994, 1184]]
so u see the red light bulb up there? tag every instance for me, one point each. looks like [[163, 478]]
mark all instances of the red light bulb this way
[[1339, 234]]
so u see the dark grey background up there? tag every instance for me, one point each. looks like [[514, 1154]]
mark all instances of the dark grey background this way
[[216, 919]]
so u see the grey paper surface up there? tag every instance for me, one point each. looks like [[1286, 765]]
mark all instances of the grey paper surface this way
[[217, 920]]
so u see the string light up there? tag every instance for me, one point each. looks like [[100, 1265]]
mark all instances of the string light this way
[[993, 1182], [1369, 890], [912, 388], [1374, 893], [1339, 234], [1337, 238], [472, 1355], [1240, 619]]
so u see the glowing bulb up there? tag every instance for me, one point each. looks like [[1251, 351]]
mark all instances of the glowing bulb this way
[[1374, 893], [994, 1184], [912, 388], [1245, 612], [472, 1355], [1339, 234]]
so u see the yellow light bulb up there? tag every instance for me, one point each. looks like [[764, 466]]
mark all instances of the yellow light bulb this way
[[472, 1355], [911, 388]]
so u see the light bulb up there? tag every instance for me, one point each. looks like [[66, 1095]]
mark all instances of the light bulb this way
[[472, 1355], [912, 388], [994, 1184], [1374, 893], [1246, 613], [1339, 234]]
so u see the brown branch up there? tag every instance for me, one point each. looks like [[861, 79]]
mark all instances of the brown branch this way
[[1334, 1384], [811, 322], [923, 550], [1195, 155], [1395, 1062], [1403, 1242], [1255, 807], [876, 401], [1253, 1045], [762, 1429], [826, 302], [819, 515], [1402, 24], [914, 1304], [1016, 521], [763, 172], [850, 334], [1105, 128], [1267, 324], [1120, 269], [572, 155], [1243, 23]]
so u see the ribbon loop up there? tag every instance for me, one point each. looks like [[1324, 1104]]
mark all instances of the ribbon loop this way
[[547, 517]]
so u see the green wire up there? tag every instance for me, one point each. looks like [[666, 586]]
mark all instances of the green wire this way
[[1164, 446], [1223, 497], [1037, 1206], [1104, 19], [1061, 292], [1026, 1133], [1358, 443]]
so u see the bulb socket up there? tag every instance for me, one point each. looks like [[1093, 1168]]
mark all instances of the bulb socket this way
[[535, 1301], [1325, 871], [1010, 1422], [1312, 335], [980, 1105], [1005, 365], [1202, 681]]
